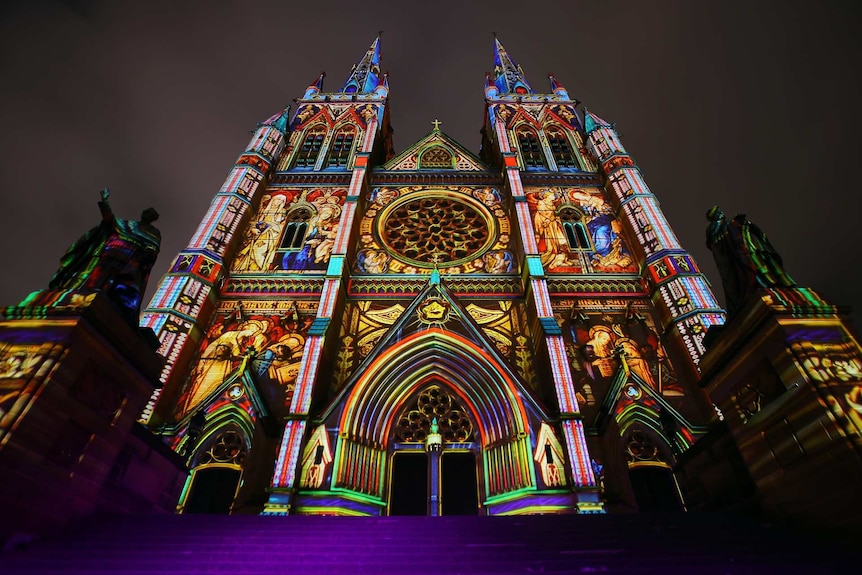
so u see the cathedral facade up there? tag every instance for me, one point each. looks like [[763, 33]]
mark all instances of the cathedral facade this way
[[356, 331]]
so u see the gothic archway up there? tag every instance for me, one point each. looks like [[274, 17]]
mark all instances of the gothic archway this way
[[481, 386]]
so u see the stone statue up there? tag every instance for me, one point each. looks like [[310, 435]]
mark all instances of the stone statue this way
[[746, 260], [115, 257]]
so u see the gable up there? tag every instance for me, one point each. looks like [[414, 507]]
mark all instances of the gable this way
[[436, 151]]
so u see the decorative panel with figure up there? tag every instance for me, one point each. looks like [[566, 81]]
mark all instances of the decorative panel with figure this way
[[266, 337], [293, 230], [614, 347], [577, 232]]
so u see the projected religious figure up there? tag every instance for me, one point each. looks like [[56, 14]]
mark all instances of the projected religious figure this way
[[744, 257], [271, 340], [576, 232], [115, 257]]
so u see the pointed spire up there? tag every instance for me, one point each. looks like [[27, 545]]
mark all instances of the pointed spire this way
[[316, 87], [508, 76], [279, 121], [557, 89], [593, 122], [365, 76]]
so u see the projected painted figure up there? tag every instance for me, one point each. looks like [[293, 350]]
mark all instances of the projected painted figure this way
[[308, 245], [262, 237], [607, 346], [745, 258], [272, 345], [576, 231], [115, 257]]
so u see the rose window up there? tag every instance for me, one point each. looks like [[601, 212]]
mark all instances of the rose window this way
[[436, 229], [415, 422]]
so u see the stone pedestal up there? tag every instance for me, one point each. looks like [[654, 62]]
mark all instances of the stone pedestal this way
[[74, 377], [786, 374]]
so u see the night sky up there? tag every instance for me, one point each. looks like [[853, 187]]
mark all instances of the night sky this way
[[754, 106]]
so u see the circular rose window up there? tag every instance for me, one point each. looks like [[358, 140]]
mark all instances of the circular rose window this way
[[436, 228]]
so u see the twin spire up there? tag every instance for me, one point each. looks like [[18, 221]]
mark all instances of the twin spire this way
[[508, 77], [366, 78]]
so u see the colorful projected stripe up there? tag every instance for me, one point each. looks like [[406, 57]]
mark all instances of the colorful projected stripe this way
[[662, 228], [527, 236], [345, 226], [614, 141], [288, 454], [328, 297], [502, 137], [562, 374], [209, 223], [582, 472], [542, 298], [637, 182], [370, 132], [307, 375], [699, 292]]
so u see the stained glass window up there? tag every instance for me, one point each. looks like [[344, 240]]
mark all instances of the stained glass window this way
[[295, 230], [573, 226]]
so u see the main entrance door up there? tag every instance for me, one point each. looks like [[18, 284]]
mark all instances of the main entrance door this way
[[459, 489], [412, 477], [408, 493]]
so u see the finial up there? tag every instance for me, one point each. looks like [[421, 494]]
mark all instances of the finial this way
[[494, 34], [436, 123]]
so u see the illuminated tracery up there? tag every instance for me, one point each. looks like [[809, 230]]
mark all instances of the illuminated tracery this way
[[437, 229], [434, 403]]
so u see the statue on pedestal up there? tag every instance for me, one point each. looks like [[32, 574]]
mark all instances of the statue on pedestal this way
[[115, 257], [746, 260]]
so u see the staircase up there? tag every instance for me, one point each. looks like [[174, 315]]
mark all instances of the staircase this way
[[690, 544]]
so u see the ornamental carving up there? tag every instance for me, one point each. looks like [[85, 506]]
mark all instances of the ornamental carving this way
[[434, 402]]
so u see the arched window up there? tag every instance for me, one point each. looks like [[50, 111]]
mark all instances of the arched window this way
[[576, 232], [306, 155], [531, 150], [295, 230], [436, 158], [340, 148], [561, 149]]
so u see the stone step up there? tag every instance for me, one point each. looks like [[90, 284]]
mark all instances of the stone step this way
[[191, 544]]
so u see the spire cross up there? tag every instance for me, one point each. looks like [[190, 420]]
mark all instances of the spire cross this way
[[436, 123]]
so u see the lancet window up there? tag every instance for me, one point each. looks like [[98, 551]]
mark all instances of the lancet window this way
[[531, 150], [340, 148], [574, 228], [561, 149], [295, 230], [306, 155]]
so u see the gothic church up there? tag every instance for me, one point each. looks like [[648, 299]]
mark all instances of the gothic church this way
[[357, 331]]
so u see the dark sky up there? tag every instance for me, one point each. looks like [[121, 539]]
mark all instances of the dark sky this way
[[754, 106]]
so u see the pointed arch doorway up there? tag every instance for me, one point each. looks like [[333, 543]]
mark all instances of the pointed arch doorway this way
[[434, 473]]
